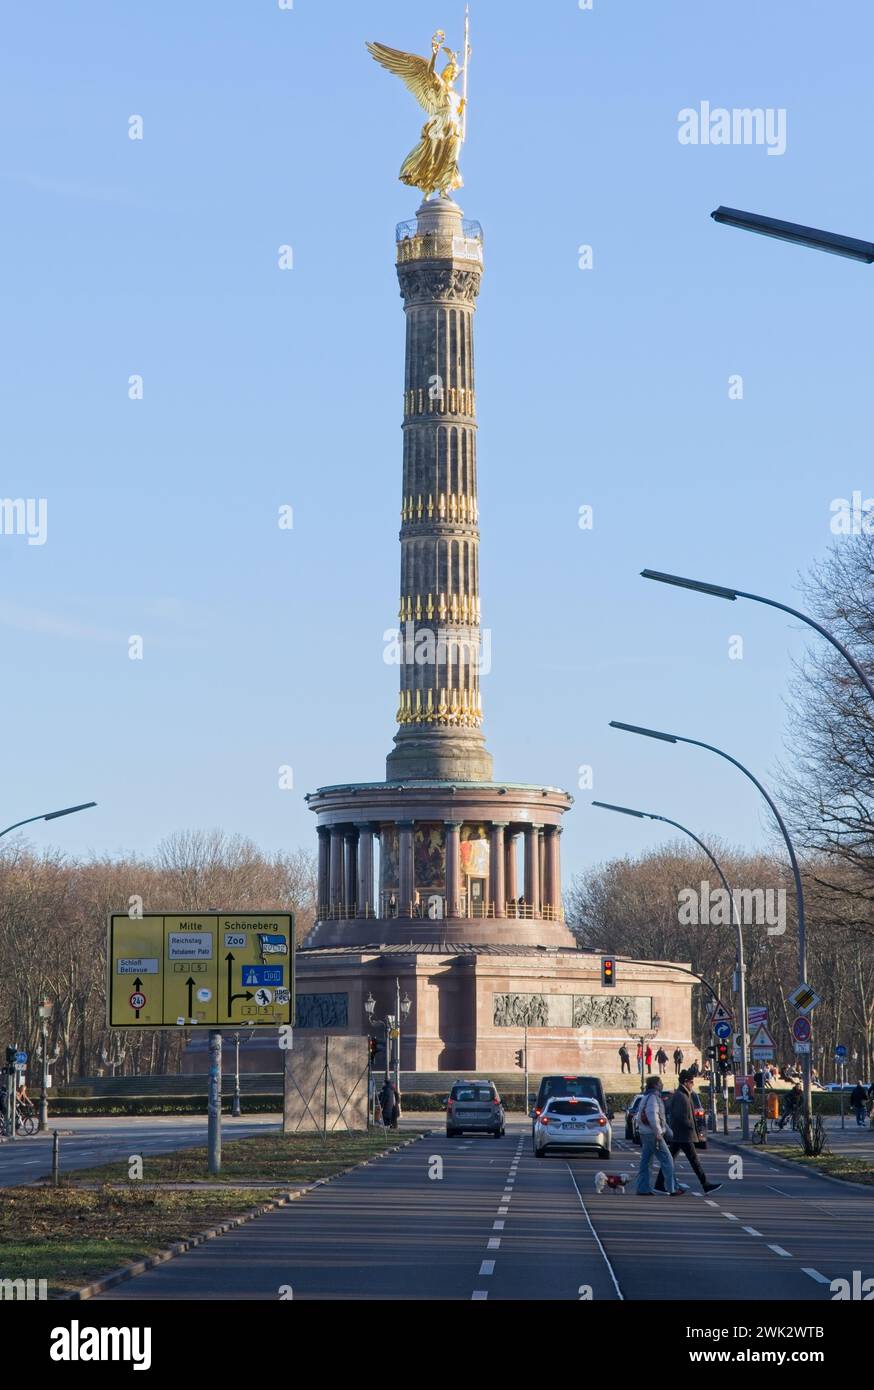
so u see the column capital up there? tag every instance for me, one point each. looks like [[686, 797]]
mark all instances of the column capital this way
[[498, 824], [453, 824], [323, 831]]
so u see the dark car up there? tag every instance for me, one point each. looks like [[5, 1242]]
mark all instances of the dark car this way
[[697, 1110], [584, 1087], [474, 1106]]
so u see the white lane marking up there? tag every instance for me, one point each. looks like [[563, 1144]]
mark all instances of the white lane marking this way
[[729, 1216], [494, 1243], [697, 1194], [487, 1267], [502, 1211], [779, 1189], [478, 1294], [498, 1225], [778, 1250], [711, 1203], [815, 1274], [595, 1234], [751, 1231]]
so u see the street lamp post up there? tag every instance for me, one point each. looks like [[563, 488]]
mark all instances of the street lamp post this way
[[796, 872], [741, 966], [49, 815], [719, 591], [835, 243]]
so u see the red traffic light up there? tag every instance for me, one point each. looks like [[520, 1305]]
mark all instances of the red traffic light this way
[[608, 972]]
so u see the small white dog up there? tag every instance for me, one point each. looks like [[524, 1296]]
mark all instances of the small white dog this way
[[616, 1182]]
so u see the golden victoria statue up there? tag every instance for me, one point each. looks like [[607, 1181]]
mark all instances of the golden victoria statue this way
[[433, 164]]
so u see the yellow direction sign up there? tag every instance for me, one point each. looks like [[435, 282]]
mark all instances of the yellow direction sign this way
[[200, 970]]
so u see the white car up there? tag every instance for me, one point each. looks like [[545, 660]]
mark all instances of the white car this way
[[571, 1122]]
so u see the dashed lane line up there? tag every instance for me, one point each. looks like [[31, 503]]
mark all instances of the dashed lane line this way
[[494, 1243], [751, 1231], [478, 1295], [595, 1235], [778, 1250], [487, 1267], [498, 1225], [815, 1274]]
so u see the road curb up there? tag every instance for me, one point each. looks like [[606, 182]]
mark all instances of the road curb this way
[[794, 1167], [120, 1276]]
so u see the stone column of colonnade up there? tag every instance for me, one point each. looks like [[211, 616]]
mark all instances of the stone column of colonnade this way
[[324, 890], [366, 905], [552, 870], [498, 864]]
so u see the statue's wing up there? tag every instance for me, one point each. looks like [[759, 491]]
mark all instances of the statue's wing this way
[[416, 73]]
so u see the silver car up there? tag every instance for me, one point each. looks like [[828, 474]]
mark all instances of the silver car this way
[[474, 1106], [568, 1122]]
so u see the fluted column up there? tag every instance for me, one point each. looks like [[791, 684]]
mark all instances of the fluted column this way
[[532, 869], [511, 887], [552, 881], [406, 884], [440, 261], [497, 866], [337, 876], [351, 870], [453, 868], [365, 869], [324, 870]]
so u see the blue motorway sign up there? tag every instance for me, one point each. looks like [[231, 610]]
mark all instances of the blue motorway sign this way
[[723, 1029], [263, 975]]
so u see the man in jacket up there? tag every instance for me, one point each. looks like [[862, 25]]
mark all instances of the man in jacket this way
[[678, 1059], [681, 1118], [652, 1128], [390, 1102], [662, 1059], [624, 1058], [859, 1102]]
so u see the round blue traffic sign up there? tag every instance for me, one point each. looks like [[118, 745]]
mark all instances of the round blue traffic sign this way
[[840, 1051], [723, 1029]]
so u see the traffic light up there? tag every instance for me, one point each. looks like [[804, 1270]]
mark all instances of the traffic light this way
[[722, 1055], [711, 1053], [374, 1047], [608, 972], [520, 1057]]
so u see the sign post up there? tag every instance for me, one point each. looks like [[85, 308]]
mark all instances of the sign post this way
[[208, 970]]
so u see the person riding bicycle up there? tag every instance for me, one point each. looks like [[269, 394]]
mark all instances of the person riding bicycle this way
[[792, 1103]]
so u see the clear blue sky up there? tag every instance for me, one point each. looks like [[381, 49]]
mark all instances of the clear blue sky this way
[[606, 387]]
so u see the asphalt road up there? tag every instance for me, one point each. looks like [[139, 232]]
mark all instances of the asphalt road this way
[[500, 1224], [85, 1143]]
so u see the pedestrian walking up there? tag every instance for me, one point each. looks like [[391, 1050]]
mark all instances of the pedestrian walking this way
[[662, 1059], [640, 1058], [391, 1104], [678, 1060], [624, 1059], [859, 1103], [681, 1120], [653, 1129], [649, 1056]]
